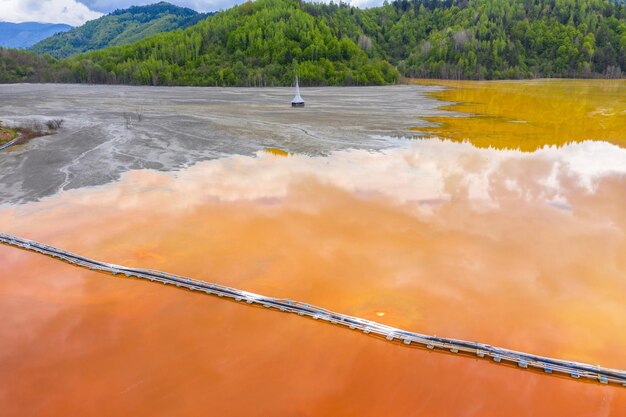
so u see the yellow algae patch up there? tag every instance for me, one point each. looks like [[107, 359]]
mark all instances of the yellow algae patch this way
[[528, 115], [276, 151]]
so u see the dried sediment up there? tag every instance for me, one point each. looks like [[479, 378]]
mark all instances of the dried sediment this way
[[109, 130]]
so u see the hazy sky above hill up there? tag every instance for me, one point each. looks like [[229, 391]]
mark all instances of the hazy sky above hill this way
[[77, 12]]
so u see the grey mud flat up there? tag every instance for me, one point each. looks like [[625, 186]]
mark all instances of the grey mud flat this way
[[183, 125]]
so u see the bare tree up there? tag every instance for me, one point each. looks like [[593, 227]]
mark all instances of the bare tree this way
[[139, 114], [461, 39], [132, 117], [613, 72], [365, 42], [54, 124], [36, 126], [128, 117]]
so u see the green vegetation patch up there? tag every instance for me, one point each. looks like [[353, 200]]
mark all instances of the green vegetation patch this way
[[118, 28], [6, 134], [263, 43], [269, 42]]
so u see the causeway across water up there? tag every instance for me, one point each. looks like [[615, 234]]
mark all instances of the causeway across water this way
[[521, 360]]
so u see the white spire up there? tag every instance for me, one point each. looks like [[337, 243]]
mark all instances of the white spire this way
[[297, 99]]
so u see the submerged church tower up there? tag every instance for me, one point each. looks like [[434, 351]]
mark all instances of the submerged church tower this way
[[297, 100]]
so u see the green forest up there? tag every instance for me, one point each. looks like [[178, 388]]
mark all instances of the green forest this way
[[118, 28], [268, 42]]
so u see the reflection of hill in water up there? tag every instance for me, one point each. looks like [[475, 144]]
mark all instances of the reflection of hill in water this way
[[528, 115]]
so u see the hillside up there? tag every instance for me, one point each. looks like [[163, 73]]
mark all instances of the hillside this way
[[118, 28], [262, 43], [17, 65], [268, 42], [23, 35], [494, 39]]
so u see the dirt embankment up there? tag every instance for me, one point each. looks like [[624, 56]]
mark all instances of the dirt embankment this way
[[22, 133]]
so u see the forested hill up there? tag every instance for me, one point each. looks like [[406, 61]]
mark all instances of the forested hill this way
[[495, 39], [268, 42], [119, 27], [258, 43]]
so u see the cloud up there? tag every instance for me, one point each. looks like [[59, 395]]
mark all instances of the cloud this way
[[54, 11], [106, 6], [77, 12], [364, 4]]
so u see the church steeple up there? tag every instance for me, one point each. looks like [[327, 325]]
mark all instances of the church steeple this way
[[297, 100]]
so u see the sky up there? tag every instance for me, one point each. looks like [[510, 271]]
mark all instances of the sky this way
[[77, 12]]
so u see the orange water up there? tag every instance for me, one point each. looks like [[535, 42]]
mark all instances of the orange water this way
[[527, 115], [511, 268]]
